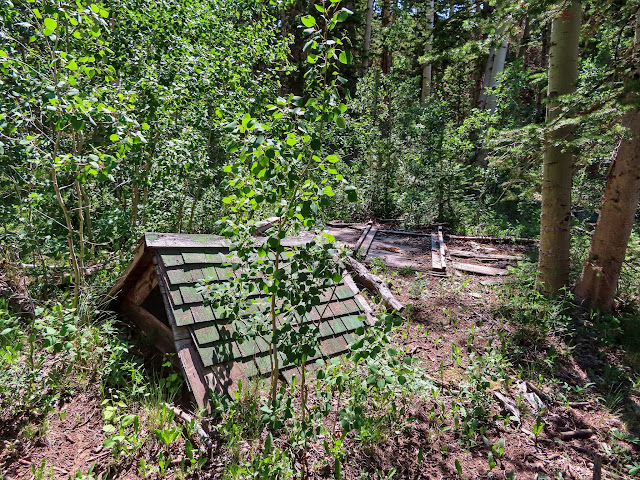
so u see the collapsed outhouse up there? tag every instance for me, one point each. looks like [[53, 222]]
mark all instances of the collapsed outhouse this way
[[158, 294]]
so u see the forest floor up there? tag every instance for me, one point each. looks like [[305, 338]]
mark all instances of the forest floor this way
[[482, 360]]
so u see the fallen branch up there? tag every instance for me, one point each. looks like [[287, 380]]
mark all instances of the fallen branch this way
[[184, 416], [373, 283], [574, 434]]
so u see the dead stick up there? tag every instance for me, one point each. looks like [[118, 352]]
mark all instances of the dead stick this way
[[188, 419]]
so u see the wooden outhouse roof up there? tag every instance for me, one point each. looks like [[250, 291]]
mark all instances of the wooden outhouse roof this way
[[158, 293]]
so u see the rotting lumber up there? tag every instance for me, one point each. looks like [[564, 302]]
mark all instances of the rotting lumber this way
[[374, 283], [437, 260], [483, 256], [160, 334], [442, 252], [188, 419], [366, 244], [362, 237], [526, 241], [479, 269]]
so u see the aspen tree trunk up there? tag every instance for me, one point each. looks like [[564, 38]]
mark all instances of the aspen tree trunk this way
[[555, 240], [366, 62], [601, 272], [486, 77], [426, 71], [492, 71], [499, 60]]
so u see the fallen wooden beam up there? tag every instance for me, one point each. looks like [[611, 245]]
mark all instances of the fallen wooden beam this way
[[265, 225], [189, 420], [437, 261], [366, 244], [443, 258], [158, 332], [408, 233], [480, 269], [373, 283], [484, 256], [362, 237], [494, 239]]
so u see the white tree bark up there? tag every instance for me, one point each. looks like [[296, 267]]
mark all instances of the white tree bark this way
[[492, 71], [426, 71], [557, 168]]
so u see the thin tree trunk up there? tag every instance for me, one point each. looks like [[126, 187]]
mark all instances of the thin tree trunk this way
[[194, 204], [426, 71], [601, 272], [366, 62], [524, 41], [135, 198], [72, 253], [492, 71], [499, 60], [386, 60], [555, 239], [486, 78]]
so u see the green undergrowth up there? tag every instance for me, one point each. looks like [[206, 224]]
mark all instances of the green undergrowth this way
[[551, 338], [64, 353]]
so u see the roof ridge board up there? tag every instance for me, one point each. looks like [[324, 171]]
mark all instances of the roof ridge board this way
[[199, 240]]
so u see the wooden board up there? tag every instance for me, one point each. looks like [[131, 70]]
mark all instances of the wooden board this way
[[483, 256], [396, 260], [407, 233], [179, 240], [193, 371], [366, 244], [494, 239], [382, 244], [143, 286], [437, 262], [479, 269], [364, 234], [443, 257], [138, 258], [161, 335]]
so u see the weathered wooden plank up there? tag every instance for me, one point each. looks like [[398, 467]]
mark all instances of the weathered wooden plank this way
[[443, 258], [386, 243], [480, 269], [161, 335], [364, 234], [366, 245], [407, 233], [494, 239], [483, 256], [138, 255], [437, 263], [193, 371], [143, 286], [265, 225], [179, 240]]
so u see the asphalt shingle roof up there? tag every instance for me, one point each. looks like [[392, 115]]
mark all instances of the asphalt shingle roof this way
[[223, 350]]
